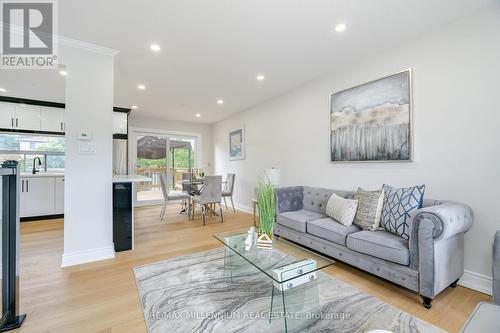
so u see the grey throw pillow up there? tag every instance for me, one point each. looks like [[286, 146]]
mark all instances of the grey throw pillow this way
[[370, 204]]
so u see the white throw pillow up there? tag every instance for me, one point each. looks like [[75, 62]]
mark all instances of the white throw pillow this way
[[342, 210]]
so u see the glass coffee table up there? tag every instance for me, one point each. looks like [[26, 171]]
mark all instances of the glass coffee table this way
[[291, 268]]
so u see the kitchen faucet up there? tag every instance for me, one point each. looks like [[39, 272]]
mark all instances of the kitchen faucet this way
[[34, 164]]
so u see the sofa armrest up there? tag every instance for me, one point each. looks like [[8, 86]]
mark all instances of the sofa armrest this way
[[449, 218], [437, 244], [289, 198], [496, 268]]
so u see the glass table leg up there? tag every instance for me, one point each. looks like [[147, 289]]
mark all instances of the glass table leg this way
[[300, 305], [283, 303], [271, 309], [284, 310], [228, 264]]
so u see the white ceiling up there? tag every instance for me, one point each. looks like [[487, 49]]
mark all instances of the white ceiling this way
[[214, 49]]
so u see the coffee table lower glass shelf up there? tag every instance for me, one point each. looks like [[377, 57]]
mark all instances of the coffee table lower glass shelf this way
[[291, 269]]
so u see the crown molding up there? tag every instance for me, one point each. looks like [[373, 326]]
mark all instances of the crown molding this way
[[70, 42], [78, 44]]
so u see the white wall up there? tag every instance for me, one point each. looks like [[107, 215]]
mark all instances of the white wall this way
[[205, 130], [456, 120], [88, 221]]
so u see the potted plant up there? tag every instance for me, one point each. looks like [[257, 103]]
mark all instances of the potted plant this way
[[267, 212]]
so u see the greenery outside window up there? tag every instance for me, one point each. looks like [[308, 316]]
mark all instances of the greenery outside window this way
[[25, 147]]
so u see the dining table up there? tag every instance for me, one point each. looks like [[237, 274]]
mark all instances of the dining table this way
[[194, 187]]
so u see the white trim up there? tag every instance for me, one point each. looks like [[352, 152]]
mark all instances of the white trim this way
[[132, 152], [78, 44], [70, 42], [476, 281], [82, 257], [133, 131], [243, 208]]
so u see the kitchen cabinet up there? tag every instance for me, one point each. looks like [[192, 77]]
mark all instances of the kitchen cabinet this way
[[59, 195], [41, 195], [27, 117], [37, 196], [120, 123], [7, 115], [31, 117], [52, 119]]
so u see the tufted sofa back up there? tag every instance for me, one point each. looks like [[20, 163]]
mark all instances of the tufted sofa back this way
[[315, 198]]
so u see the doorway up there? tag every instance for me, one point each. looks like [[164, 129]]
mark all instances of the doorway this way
[[153, 153]]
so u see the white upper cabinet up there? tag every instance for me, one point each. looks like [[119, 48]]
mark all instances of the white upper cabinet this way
[[120, 123], [52, 119], [7, 115], [31, 117], [27, 117]]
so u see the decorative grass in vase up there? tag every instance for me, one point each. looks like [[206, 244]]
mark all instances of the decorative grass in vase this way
[[267, 212]]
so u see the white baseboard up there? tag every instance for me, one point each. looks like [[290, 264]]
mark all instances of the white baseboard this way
[[82, 257], [244, 208], [476, 281]]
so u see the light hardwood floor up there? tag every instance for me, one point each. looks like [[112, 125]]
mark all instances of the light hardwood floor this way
[[102, 297]]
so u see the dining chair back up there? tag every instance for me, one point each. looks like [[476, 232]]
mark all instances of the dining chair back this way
[[228, 189], [211, 194], [211, 191], [186, 177]]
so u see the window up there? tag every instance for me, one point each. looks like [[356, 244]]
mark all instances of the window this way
[[25, 147]]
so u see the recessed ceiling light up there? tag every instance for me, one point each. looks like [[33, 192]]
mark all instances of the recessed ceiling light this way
[[141, 87], [340, 27], [220, 101], [198, 115], [134, 107], [155, 47], [63, 72], [260, 77], [3, 90]]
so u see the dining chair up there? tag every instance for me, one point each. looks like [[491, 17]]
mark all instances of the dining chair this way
[[211, 194], [228, 189], [164, 191]]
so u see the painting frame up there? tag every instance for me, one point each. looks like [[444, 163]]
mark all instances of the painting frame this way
[[410, 145], [235, 154]]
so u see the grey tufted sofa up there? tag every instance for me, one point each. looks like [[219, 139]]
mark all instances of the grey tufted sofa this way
[[429, 262]]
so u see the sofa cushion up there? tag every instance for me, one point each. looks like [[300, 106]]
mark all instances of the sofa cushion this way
[[329, 229], [297, 219], [381, 244]]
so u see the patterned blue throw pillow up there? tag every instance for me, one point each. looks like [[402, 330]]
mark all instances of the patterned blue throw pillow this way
[[398, 203]]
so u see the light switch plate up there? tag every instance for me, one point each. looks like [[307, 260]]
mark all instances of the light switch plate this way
[[87, 148]]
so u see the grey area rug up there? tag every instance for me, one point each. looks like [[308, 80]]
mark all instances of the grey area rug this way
[[198, 293]]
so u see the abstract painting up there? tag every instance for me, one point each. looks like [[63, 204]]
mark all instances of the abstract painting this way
[[372, 122], [237, 144]]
